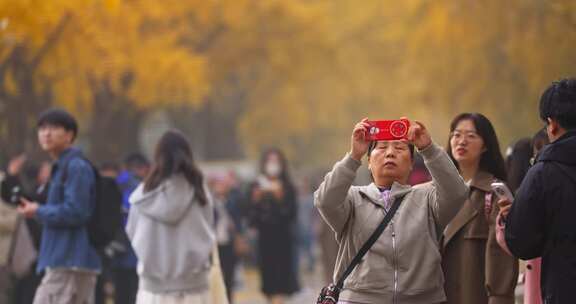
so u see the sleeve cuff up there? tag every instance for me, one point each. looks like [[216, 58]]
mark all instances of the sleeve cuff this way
[[351, 163], [431, 151], [40, 212]]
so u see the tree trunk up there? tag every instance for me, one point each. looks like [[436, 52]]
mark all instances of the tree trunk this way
[[115, 124]]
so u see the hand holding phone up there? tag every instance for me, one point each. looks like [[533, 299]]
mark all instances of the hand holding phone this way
[[264, 183], [387, 129], [505, 201], [359, 142], [502, 191], [27, 208], [15, 196]]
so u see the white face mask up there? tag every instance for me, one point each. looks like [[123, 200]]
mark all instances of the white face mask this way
[[273, 169]]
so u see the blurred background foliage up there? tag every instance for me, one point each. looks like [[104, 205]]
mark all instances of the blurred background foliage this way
[[239, 75]]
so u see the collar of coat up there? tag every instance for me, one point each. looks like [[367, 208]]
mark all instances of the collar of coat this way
[[373, 194], [482, 180], [469, 211]]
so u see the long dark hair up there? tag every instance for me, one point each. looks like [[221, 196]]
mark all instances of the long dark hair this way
[[491, 160], [174, 156], [540, 139], [519, 162]]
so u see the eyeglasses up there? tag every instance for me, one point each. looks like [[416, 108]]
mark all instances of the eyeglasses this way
[[471, 136]]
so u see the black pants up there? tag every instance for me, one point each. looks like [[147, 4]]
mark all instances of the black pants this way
[[228, 262], [26, 288], [99, 292], [125, 285]]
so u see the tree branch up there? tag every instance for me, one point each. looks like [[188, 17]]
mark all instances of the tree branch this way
[[51, 40], [206, 42]]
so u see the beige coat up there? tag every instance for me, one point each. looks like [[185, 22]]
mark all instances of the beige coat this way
[[404, 265], [8, 227], [476, 269], [17, 252]]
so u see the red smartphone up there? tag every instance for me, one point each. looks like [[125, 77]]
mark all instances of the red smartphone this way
[[388, 129]]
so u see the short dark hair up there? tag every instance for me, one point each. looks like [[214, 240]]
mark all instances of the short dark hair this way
[[491, 160], [60, 118], [109, 165], [136, 159], [558, 102]]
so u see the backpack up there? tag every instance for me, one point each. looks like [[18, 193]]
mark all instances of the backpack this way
[[106, 219]]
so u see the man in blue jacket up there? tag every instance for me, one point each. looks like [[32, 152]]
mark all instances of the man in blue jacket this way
[[541, 222], [71, 263]]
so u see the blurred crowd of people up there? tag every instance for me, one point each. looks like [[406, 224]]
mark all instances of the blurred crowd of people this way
[[162, 231], [266, 223]]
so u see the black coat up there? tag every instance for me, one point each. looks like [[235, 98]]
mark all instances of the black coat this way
[[275, 219], [542, 221]]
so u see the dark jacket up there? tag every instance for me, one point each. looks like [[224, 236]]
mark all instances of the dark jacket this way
[[541, 221], [127, 182], [275, 219]]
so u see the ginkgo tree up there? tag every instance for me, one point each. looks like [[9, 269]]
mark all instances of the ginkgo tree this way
[[74, 53], [428, 60], [295, 74]]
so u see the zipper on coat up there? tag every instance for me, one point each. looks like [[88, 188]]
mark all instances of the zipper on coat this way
[[395, 262]]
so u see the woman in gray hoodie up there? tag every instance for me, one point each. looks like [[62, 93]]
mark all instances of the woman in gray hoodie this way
[[403, 266], [170, 226]]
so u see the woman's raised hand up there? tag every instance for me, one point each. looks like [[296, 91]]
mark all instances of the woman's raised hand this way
[[418, 135], [359, 144]]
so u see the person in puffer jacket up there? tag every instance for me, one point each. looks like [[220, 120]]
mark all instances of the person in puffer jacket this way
[[403, 266], [171, 227], [540, 222]]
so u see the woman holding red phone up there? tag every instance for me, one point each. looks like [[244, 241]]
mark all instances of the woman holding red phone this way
[[403, 263], [476, 269]]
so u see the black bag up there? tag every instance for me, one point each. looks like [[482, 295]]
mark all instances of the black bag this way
[[331, 293], [106, 217]]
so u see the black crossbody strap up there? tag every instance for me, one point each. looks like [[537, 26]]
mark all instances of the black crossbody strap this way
[[369, 243]]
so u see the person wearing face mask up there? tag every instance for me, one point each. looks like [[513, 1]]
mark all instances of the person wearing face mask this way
[[403, 266], [273, 212], [476, 269]]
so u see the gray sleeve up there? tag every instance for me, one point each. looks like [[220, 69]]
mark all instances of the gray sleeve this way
[[448, 188], [332, 197]]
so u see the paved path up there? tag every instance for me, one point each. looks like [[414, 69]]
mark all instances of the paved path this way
[[311, 285], [250, 292]]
